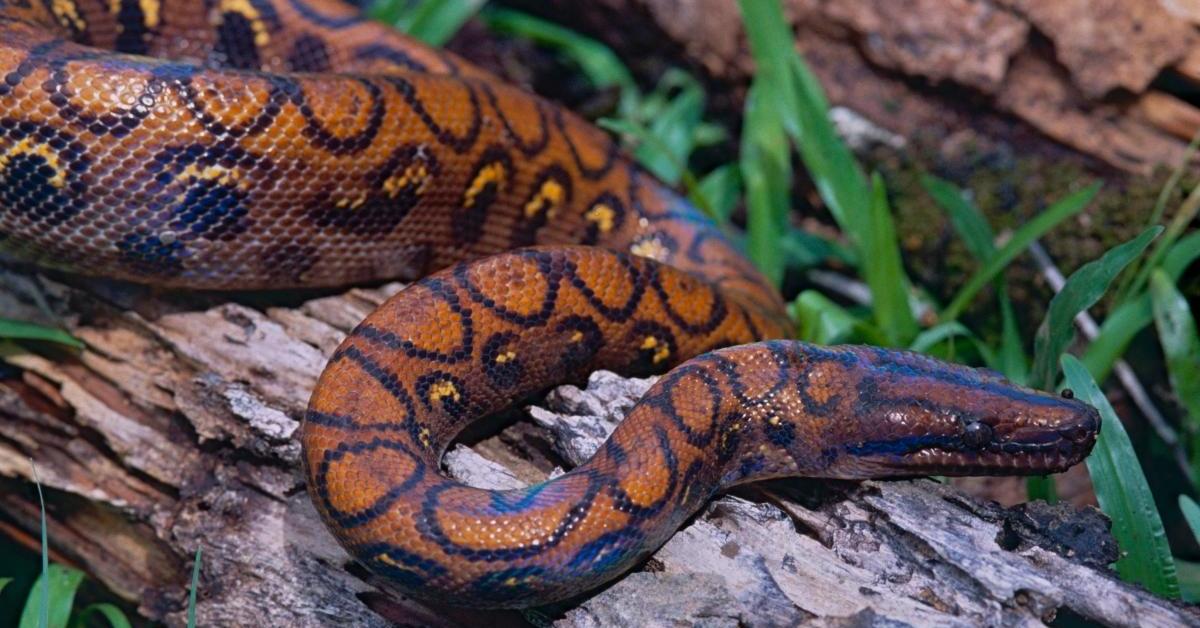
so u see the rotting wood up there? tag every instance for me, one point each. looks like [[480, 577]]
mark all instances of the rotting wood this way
[[174, 430]]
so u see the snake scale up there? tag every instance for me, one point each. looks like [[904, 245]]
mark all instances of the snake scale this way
[[244, 144]]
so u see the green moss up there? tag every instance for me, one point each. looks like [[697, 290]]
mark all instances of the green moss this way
[[1010, 190]]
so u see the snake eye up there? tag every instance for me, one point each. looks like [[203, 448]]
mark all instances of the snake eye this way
[[976, 434]]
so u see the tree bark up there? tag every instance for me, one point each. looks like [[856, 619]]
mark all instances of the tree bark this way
[[174, 430]]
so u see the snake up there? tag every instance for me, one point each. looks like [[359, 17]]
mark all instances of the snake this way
[[267, 144]]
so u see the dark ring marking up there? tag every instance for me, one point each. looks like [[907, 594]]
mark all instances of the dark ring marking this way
[[458, 143], [528, 147], [349, 520], [612, 151], [549, 298]]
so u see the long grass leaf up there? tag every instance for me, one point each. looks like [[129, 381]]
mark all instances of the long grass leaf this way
[[1181, 345], [1124, 289], [1181, 255], [1123, 493], [979, 239], [58, 584], [1191, 514], [1118, 330], [1179, 222], [191, 609], [1188, 573], [432, 21], [21, 330], [720, 189], [114, 616], [766, 173], [1083, 288], [822, 321], [1021, 239], [885, 274], [967, 220], [602, 67]]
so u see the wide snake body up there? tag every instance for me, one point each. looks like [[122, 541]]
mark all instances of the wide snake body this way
[[243, 144]]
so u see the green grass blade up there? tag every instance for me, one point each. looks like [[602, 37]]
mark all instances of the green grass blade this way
[[1188, 574], [59, 585], [1181, 346], [1011, 359], [1124, 494], [804, 110], [1191, 514], [822, 321], [1181, 255], [43, 618], [432, 21], [1020, 240], [20, 330], [1041, 487], [1179, 222], [1117, 331], [967, 220], [602, 67], [114, 616], [191, 610], [1083, 288], [721, 190], [885, 274], [1123, 290], [766, 173], [802, 249], [979, 239], [675, 130], [927, 339]]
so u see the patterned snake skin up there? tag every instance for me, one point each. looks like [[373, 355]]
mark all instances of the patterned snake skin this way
[[281, 143]]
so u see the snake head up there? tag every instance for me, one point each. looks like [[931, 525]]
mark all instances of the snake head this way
[[919, 416]]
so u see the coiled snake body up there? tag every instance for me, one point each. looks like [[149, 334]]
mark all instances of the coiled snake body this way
[[275, 143]]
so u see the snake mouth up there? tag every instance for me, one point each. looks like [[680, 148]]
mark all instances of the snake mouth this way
[[985, 449]]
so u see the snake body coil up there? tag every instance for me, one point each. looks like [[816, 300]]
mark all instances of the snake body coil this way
[[272, 143]]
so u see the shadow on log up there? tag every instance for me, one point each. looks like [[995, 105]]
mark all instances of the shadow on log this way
[[174, 430]]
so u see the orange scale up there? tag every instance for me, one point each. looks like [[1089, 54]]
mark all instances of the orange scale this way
[[480, 530], [651, 479], [357, 481], [825, 380]]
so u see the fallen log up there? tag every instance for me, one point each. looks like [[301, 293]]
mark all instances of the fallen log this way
[[174, 430]]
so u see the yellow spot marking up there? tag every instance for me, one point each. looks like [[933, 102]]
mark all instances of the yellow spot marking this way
[[603, 215], [577, 336], [773, 420], [247, 10], [149, 11], [423, 435], [511, 582], [29, 147], [547, 199], [68, 14], [661, 350], [415, 176], [224, 176], [652, 248], [507, 356], [352, 203], [492, 173], [444, 389]]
